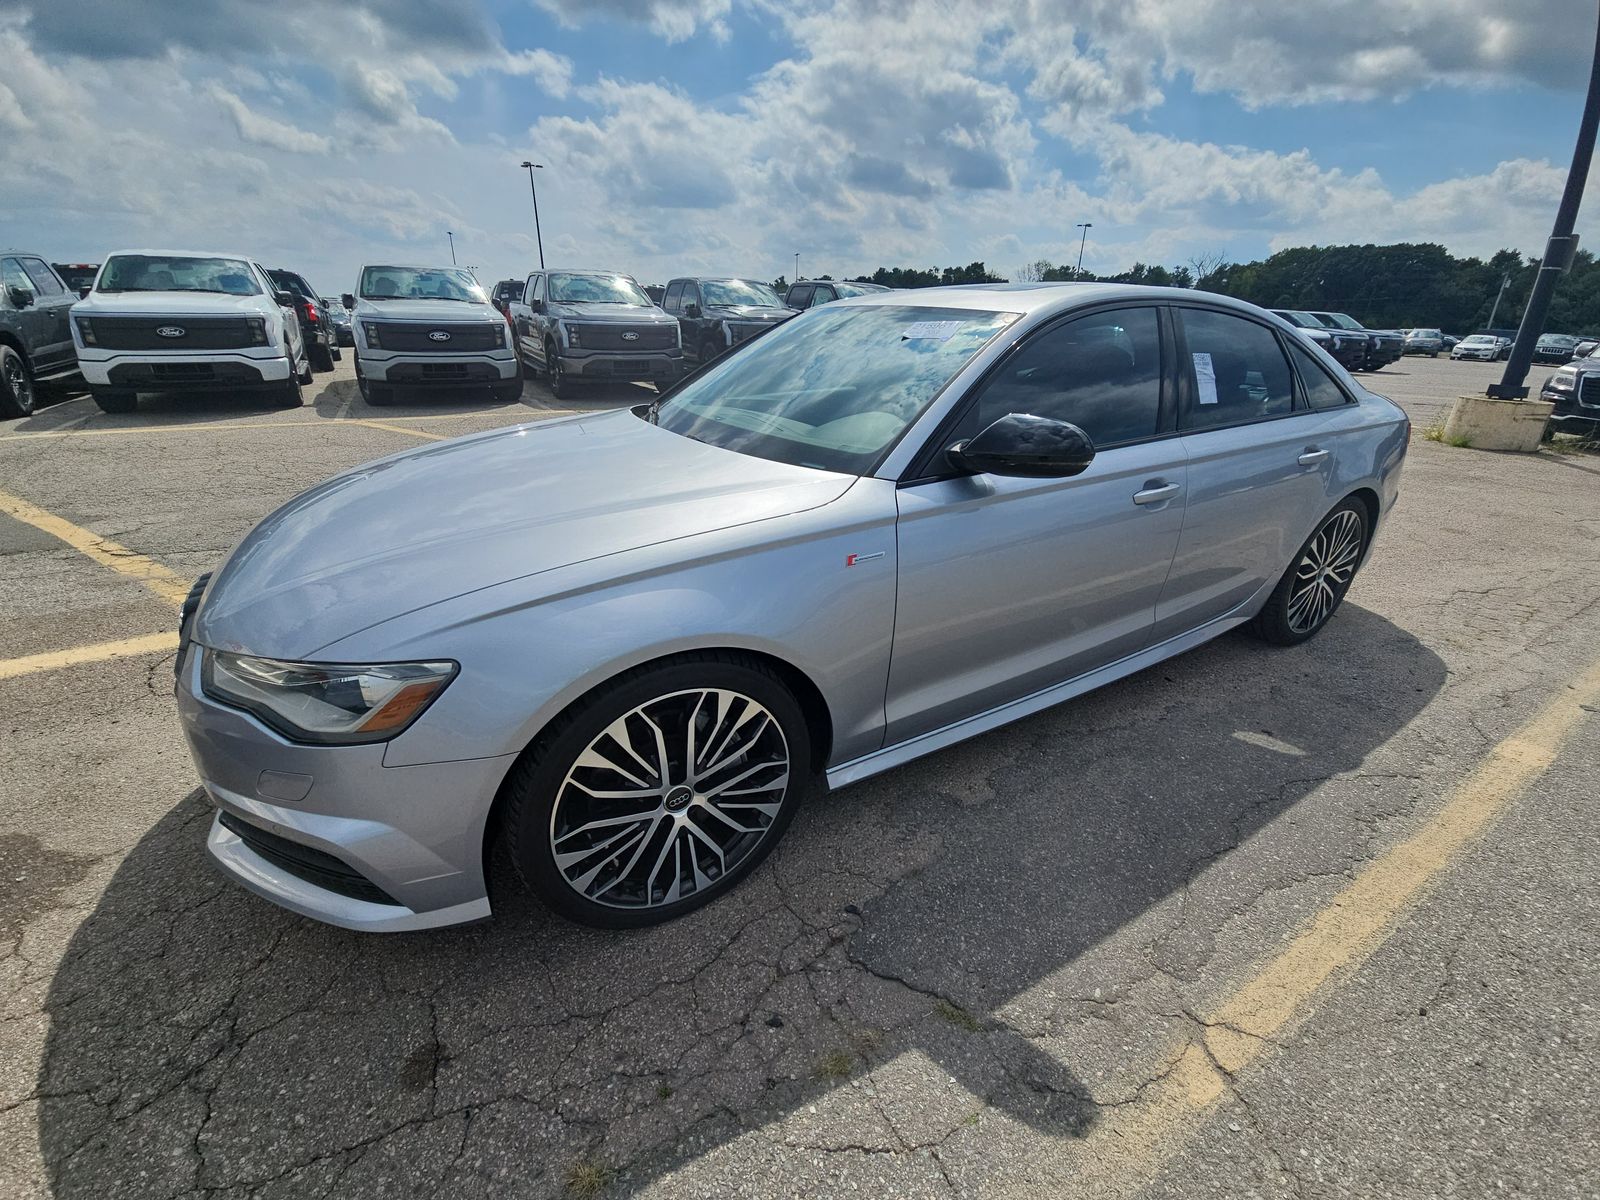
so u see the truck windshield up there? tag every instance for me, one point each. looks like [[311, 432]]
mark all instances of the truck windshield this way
[[1338, 321], [420, 283], [569, 288], [173, 273], [833, 388], [729, 293]]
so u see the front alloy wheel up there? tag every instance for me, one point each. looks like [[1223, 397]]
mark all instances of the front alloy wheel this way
[[1312, 588], [656, 797], [16, 385]]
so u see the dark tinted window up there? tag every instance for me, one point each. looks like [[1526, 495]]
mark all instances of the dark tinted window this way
[[800, 296], [822, 295], [536, 291], [13, 276], [691, 293], [673, 296], [43, 277], [1237, 369], [1321, 390], [290, 282], [1101, 372]]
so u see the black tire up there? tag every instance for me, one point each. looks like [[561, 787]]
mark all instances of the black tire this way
[[1285, 620], [287, 394], [555, 378], [379, 395], [115, 400], [508, 392], [536, 783], [321, 358], [17, 392], [335, 354]]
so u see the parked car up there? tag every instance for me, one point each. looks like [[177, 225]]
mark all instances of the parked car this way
[[429, 327], [624, 646], [79, 277], [594, 326], [1424, 341], [1384, 346], [340, 316], [1483, 346], [715, 315], [1349, 350], [1575, 392], [808, 293], [1505, 337], [1584, 348], [35, 335], [656, 292], [1451, 341], [504, 293], [1554, 348], [168, 320], [322, 341]]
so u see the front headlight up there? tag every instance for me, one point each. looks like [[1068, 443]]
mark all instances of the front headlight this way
[[327, 703], [85, 330], [258, 330], [370, 328], [569, 334], [1562, 381]]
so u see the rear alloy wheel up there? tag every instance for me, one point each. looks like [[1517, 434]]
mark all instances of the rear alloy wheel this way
[[17, 396], [1313, 587], [659, 794]]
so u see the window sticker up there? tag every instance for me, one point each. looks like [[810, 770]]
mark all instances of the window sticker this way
[[938, 331], [1205, 377]]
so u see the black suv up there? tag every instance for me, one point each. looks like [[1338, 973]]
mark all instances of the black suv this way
[[715, 315], [506, 291], [809, 293], [316, 322], [1384, 346], [35, 338]]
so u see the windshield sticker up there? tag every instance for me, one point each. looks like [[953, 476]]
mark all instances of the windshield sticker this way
[[1205, 377], [938, 331]]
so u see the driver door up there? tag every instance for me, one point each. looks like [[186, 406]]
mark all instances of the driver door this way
[[1010, 585]]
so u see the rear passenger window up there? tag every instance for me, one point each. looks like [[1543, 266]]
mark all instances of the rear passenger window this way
[[43, 277], [1101, 372], [674, 294], [1321, 390], [1237, 370]]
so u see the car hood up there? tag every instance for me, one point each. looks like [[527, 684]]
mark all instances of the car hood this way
[[611, 314], [750, 312], [433, 523], [427, 310], [164, 304]]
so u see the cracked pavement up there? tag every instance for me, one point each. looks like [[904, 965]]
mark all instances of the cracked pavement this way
[[959, 978]]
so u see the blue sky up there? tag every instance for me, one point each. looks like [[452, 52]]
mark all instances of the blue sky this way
[[724, 135]]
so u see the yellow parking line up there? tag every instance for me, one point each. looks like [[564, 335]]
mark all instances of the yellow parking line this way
[[1134, 1142], [159, 579], [432, 437], [213, 426], [152, 643]]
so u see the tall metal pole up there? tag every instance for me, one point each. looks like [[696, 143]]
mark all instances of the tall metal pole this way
[[532, 166], [1559, 250], [452, 238], [1505, 282], [797, 266], [1086, 226]]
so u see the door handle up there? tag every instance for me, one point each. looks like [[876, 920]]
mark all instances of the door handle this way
[[1312, 456], [1156, 495]]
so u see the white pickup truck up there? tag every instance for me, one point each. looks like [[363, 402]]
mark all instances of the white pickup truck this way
[[164, 320], [429, 327]]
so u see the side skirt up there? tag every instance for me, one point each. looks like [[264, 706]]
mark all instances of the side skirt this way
[[889, 757]]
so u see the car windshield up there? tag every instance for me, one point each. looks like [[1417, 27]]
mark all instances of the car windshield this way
[[175, 273], [728, 293], [1303, 319], [1480, 339], [1424, 333], [421, 283], [832, 389], [1338, 321], [569, 288], [856, 289]]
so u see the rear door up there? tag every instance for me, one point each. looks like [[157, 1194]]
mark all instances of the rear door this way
[[1010, 585], [1261, 461], [53, 299]]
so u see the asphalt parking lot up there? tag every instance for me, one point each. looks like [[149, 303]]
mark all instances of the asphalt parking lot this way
[[1312, 922]]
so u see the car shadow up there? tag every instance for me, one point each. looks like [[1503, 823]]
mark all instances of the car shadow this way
[[202, 1038]]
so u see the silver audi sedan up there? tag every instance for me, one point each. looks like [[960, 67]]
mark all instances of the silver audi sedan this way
[[628, 645]]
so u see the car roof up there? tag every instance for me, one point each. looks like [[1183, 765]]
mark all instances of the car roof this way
[[1029, 298], [159, 253]]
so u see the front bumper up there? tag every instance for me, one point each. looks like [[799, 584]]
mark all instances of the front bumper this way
[[439, 370], [181, 372], [599, 364], [414, 834], [1572, 414]]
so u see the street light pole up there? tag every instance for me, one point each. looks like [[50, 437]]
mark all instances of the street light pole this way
[[1505, 282], [452, 238], [533, 166], [797, 266], [1560, 249], [1085, 226]]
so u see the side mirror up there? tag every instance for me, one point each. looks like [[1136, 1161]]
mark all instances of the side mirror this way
[[349, 302], [692, 311], [536, 306], [20, 297], [287, 299], [1024, 445]]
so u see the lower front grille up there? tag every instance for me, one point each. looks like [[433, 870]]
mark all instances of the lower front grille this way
[[182, 333], [315, 867], [446, 338], [625, 337], [1589, 391]]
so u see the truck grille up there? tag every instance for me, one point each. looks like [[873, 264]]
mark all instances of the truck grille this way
[[612, 337], [199, 333], [1589, 391], [461, 337]]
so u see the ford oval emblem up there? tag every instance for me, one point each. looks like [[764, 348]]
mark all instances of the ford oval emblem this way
[[438, 335], [171, 331], [630, 336]]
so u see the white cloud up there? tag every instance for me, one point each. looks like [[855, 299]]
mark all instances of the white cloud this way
[[674, 20], [261, 130]]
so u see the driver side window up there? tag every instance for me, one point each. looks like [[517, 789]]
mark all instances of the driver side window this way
[[1101, 372]]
